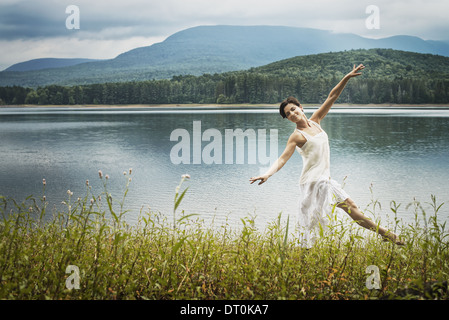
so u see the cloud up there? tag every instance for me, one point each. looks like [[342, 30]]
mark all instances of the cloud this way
[[46, 18], [41, 24]]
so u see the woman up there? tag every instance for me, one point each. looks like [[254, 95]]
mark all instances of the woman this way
[[318, 192]]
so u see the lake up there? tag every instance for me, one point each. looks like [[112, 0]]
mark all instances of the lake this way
[[380, 154]]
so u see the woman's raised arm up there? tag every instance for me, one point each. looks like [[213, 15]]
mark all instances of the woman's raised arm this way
[[335, 93]]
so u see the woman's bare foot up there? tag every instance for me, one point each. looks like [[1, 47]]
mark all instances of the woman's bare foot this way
[[390, 236], [354, 212]]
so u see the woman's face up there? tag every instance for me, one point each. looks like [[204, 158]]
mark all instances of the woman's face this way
[[293, 112]]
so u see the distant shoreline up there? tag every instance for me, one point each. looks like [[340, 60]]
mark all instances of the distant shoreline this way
[[218, 106]]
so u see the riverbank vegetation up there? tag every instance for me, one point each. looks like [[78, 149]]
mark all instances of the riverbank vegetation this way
[[89, 251], [391, 76]]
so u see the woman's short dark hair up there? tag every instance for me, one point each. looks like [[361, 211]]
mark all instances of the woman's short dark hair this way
[[286, 102]]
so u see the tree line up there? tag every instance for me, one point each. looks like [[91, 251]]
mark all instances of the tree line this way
[[232, 88]]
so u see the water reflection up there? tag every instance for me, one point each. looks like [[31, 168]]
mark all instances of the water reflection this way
[[402, 153]]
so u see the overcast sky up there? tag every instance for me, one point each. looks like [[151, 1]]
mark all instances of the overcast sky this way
[[31, 29]]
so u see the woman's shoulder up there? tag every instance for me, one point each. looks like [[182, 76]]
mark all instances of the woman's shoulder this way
[[315, 121], [297, 137]]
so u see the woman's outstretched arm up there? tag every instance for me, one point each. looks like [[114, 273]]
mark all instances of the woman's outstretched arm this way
[[292, 142], [335, 93]]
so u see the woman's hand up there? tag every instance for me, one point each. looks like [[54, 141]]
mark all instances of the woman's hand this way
[[356, 71], [261, 178]]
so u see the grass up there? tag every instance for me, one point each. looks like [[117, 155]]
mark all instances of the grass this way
[[182, 257]]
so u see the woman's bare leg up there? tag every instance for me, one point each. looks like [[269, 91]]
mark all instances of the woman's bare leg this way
[[354, 212]]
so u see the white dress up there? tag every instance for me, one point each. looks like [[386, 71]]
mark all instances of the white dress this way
[[318, 193]]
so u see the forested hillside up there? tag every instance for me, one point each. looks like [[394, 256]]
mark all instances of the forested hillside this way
[[390, 77], [207, 49]]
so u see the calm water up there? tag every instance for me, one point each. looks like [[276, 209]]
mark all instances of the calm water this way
[[402, 153]]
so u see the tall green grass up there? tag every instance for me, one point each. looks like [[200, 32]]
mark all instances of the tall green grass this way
[[179, 256]]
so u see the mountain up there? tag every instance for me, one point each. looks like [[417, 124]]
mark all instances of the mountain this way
[[47, 63], [214, 49], [391, 76], [381, 64]]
